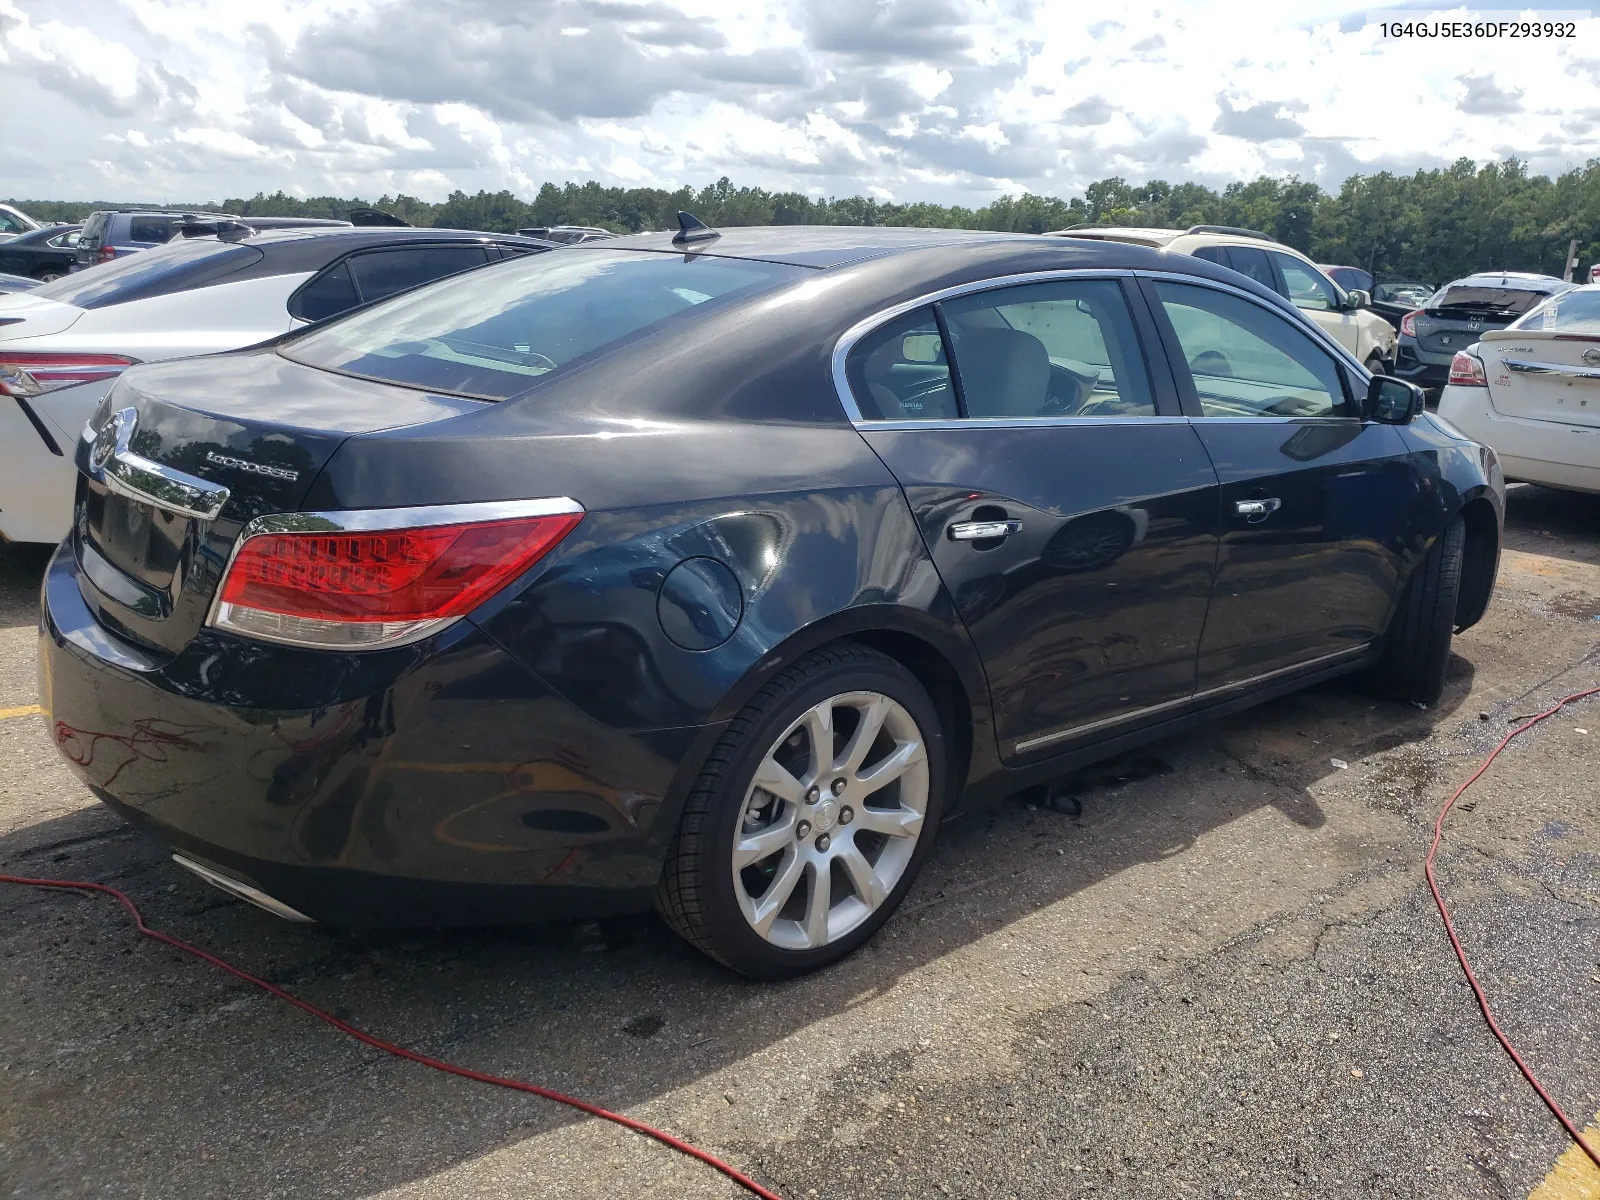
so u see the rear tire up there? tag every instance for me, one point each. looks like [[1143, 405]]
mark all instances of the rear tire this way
[[48, 275], [1416, 646], [773, 882]]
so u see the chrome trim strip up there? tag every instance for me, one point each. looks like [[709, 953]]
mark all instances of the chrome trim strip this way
[[115, 465], [1060, 735], [1559, 370], [849, 338], [869, 424], [242, 890], [368, 520]]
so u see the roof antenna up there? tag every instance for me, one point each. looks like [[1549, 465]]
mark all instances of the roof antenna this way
[[692, 229]]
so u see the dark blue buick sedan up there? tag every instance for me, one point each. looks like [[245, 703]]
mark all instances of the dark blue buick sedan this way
[[713, 572]]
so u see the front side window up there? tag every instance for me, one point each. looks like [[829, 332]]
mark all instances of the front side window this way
[[898, 372], [1065, 349], [1248, 362], [10, 224], [494, 334], [1307, 287]]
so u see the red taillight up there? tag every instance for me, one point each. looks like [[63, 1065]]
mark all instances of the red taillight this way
[[1408, 323], [1466, 370], [29, 374], [360, 588], [105, 254]]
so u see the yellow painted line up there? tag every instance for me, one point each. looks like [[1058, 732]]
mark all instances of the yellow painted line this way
[[27, 710], [1574, 1177]]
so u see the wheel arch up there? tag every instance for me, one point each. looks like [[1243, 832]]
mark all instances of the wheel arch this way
[[938, 654], [1481, 560]]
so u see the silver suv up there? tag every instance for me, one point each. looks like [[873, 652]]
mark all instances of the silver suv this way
[[111, 233]]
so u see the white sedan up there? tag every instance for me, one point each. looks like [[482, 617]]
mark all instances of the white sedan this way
[[63, 343], [1532, 392]]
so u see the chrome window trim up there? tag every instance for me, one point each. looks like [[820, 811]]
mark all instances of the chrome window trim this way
[[367, 520], [1030, 744], [848, 339]]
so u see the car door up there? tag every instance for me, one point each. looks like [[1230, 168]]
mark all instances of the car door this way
[[1313, 496], [1069, 507], [1314, 294]]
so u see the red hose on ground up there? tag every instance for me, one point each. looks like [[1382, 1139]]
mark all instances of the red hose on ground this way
[[744, 1181], [438, 1064], [1450, 928]]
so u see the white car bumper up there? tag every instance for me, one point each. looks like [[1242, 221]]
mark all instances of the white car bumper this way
[[1546, 452], [36, 485]]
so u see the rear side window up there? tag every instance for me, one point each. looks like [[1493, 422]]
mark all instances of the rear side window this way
[[1063, 349], [1252, 261], [176, 267], [496, 334], [94, 228], [329, 293], [382, 273], [150, 229], [1213, 254], [898, 372]]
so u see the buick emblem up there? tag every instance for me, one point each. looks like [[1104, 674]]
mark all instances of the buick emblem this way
[[1591, 356], [117, 429]]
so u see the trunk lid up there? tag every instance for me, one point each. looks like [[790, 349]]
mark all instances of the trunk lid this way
[[1542, 375], [1445, 331], [25, 315], [253, 423]]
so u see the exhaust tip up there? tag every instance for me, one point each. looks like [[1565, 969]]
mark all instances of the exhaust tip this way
[[243, 891]]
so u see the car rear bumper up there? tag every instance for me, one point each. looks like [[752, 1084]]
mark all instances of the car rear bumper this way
[[1544, 452], [453, 788], [1413, 368]]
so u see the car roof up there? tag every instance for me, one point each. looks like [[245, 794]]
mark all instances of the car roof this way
[[355, 235], [1123, 233], [820, 246], [44, 234]]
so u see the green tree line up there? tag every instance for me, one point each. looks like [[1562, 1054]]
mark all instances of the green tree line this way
[[1432, 225]]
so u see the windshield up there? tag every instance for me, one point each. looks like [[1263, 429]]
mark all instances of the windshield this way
[[1570, 312], [1512, 301], [172, 268], [493, 333]]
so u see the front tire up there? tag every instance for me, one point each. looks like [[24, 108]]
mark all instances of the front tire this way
[[1376, 365], [811, 818], [1416, 646]]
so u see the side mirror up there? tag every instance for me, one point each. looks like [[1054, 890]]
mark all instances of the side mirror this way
[[1356, 298], [1392, 401]]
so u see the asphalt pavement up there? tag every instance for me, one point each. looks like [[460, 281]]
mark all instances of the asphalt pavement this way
[[1225, 978]]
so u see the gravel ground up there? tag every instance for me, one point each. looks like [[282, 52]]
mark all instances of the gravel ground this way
[[1225, 978]]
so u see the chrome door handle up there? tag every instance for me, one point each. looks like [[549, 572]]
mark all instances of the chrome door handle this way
[[977, 531], [1257, 510]]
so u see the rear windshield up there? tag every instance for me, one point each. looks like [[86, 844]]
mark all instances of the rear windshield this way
[[1571, 312], [176, 267], [1512, 301], [494, 333]]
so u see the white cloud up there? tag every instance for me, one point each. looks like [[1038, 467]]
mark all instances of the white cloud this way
[[952, 100]]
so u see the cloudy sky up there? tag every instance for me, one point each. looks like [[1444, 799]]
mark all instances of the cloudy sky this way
[[948, 100]]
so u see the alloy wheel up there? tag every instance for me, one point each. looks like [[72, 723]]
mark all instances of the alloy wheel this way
[[831, 820]]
